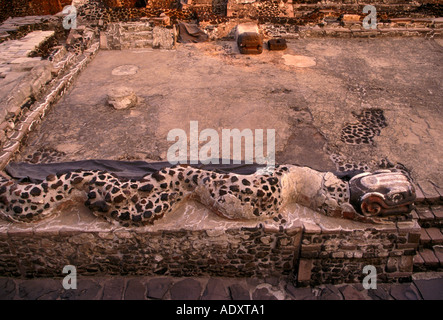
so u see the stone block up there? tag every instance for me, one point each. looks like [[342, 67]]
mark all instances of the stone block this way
[[122, 98], [438, 251], [238, 292], [215, 290], [188, 289], [424, 237], [350, 293], [425, 214], [414, 237], [429, 258], [431, 289], [113, 289], [311, 228], [304, 270], [435, 235], [419, 196], [438, 212], [163, 38], [430, 193], [353, 18]]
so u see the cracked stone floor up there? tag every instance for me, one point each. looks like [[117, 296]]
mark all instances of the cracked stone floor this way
[[425, 286], [308, 105]]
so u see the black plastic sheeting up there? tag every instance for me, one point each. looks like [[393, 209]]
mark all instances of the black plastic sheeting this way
[[36, 173], [190, 33]]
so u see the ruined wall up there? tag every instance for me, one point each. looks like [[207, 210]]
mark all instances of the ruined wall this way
[[21, 8], [339, 256], [233, 252]]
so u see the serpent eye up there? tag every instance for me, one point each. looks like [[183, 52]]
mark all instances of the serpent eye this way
[[396, 197]]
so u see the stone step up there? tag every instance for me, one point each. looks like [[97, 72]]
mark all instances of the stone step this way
[[143, 35], [137, 44], [136, 28]]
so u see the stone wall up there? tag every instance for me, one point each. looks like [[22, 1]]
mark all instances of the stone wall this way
[[20, 8], [218, 248], [193, 241], [338, 255]]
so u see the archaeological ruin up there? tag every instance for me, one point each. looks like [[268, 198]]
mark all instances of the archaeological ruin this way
[[345, 97]]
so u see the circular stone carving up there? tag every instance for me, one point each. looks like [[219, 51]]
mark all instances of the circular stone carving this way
[[125, 70]]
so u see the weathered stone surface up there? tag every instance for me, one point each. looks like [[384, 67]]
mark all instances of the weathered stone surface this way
[[188, 289], [330, 292], [350, 293], [300, 293], [429, 258], [122, 98], [435, 235], [156, 288], [135, 290], [87, 289], [215, 290], [403, 292], [162, 38], [380, 293], [263, 294], [238, 292], [431, 289], [113, 289], [40, 290], [7, 289]]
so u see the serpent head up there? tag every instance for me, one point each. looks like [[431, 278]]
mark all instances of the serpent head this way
[[382, 193]]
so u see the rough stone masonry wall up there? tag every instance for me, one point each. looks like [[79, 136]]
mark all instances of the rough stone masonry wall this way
[[236, 252], [21, 8], [339, 256], [310, 248]]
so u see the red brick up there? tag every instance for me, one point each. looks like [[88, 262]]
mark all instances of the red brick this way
[[435, 235], [429, 258]]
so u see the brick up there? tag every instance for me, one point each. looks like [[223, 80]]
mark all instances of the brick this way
[[429, 258], [435, 235]]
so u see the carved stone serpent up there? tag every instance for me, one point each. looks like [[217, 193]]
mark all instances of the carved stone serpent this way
[[366, 197]]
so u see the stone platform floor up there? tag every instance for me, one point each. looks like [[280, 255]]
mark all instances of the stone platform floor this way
[[311, 94], [425, 286]]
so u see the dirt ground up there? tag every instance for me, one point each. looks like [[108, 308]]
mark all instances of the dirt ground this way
[[314, 94]]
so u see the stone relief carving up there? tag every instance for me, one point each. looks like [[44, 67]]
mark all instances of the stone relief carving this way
[[369, 197]]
